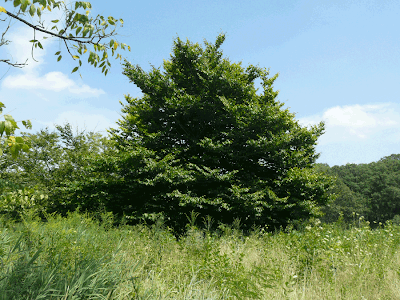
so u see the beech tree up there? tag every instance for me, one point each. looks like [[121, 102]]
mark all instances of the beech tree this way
[[201, 139], [78, 31]]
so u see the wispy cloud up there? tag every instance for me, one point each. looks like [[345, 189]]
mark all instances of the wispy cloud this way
[[19, 50], [52, 81], [30, 77], [357, 122]]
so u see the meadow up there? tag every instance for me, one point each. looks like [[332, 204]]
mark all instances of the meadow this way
[[78, 257]]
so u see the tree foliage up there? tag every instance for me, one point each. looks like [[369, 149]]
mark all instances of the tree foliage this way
[[345, 203], [56, 160], [202, 139], [79, 31], [15, 144], [376, 184]]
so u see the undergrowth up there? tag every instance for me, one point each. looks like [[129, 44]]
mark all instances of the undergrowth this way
[[78, 257]]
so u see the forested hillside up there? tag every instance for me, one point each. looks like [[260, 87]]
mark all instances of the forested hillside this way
[[370, 190]]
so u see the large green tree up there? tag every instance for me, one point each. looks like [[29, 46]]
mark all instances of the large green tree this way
[[202, 139]]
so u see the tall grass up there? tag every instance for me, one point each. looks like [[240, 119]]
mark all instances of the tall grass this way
[[80, 258]]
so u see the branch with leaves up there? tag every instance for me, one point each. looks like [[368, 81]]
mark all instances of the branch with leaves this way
[[78, 32], [7, 138]]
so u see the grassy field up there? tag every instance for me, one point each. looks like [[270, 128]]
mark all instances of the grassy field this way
[[79, 258]]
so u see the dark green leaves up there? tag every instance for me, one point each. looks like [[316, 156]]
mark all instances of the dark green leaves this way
[[247, 158]]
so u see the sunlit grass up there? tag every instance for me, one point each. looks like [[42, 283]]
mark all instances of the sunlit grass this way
[[79, 258]]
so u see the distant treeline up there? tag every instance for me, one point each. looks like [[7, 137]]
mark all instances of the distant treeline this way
[[48, 177], [370, 190]]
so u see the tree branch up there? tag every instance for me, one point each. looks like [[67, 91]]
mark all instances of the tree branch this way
[[7, 61], [75, 39]]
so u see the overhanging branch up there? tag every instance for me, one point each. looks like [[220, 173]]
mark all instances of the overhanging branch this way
[[74, 39], [7, 61]]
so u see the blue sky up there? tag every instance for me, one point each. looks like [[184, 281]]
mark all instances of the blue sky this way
[[339, 61]]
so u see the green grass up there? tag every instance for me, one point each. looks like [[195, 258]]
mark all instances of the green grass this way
[[79, 258]]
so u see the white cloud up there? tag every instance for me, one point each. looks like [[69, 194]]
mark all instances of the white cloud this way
[[357, 122], [29, 77], [20, 49], [358, 133], [52, 81]]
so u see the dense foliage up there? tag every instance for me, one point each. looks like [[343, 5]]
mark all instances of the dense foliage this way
[[371, 189], [202, 139], [79, 258], [39, 178]]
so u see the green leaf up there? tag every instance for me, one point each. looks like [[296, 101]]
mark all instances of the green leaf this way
[[59, 58], [111, 21], [2, 127], [75, 69], [9, 118], [85, 31], [32, 10], [55, 21], [78, 30], [40, 45], [27, 124], [19, 140], [57, 53], [9, 128], [24, 5]]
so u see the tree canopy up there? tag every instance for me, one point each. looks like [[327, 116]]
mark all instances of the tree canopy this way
[[201, 139], [376, 185], [55, 160]]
